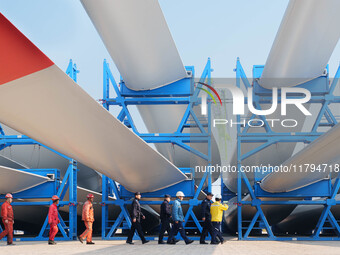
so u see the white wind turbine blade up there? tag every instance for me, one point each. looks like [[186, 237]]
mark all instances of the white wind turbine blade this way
[[139, 41], [307, 36], [52, 109], [13, 180]]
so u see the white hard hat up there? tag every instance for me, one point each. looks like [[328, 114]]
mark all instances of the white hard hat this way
[[179, 194], [218, 196]]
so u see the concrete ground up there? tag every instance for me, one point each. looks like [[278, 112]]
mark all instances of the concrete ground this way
[[232, 246]]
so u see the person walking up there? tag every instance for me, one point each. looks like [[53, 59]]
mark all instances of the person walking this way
[[53, 219], [88, 218], [136, 215], [7, 219], [178, 218], [206, 218], [217, 209], [165, 218]]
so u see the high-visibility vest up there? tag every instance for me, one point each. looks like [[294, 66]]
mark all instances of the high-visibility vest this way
[[216, 211]]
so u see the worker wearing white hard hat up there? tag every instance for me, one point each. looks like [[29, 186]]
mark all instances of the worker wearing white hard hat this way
[[218, 196], [178, 218], [180, 194], [216, 211]]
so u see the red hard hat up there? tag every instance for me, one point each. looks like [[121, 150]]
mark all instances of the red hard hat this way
[[55, 197], [90, 196], [8, 195]]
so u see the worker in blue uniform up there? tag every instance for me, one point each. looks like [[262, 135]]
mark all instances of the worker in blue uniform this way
[[166, 217], [206, 218], [178, 218], [136, 216]]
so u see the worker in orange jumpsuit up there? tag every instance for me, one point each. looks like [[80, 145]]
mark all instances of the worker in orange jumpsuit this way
[[53, 219], [7, 219], [88, 218]]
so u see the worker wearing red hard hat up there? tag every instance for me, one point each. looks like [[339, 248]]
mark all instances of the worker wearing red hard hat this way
[[7, 219], [53, 219], [88, 218]]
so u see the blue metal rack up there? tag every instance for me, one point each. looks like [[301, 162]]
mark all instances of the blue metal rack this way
[[179, 92], [46, 190], [321, 93]]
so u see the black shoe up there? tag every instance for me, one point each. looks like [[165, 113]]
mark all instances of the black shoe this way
[[190, 241], [90, 242], [177, 240], [51, 242], [222, 241], [10, 243], [146, 241], [172, 242], [80, 240], [161, 242], [203, 242], [129, 242], [214, 242]]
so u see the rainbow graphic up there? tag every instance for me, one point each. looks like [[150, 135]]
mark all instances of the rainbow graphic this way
[[209, 93]]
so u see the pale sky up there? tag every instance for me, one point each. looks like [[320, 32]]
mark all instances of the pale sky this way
[[220, 29]]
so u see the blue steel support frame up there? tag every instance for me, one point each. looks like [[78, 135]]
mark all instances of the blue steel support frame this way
[[320, 189], [68, 228], [157, 97]]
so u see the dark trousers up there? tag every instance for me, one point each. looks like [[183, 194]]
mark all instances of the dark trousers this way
[[217, 230], [136, 226], [165, 226], [207, 227], [178, 227]]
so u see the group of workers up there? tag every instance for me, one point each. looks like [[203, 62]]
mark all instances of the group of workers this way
[[87, 217], [211, 217], [212, 214], [53, 220]]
